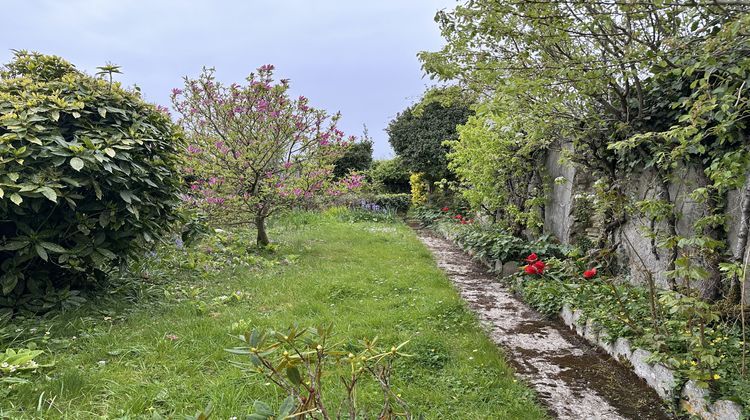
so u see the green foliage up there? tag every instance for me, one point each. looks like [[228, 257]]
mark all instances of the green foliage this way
[[419, 189], [87, 177], [14, 363], [390, 176], [362, 213], [497, 245], [356, 158], [396, 202], [499, 158], [298, 359], [419, 139], [691, 337]]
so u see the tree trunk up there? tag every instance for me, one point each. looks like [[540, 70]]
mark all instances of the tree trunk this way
[[260, 225]]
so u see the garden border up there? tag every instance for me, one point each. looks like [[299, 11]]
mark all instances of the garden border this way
[[693, 399]]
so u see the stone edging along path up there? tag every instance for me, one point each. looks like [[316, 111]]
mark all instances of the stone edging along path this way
[[570, 376]]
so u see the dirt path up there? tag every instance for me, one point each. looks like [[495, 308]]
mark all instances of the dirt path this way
[[572, 378]]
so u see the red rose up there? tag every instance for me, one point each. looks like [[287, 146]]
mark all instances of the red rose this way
[[458, 217], [590, 273], [529, 269], [445, 209], [532, 258]]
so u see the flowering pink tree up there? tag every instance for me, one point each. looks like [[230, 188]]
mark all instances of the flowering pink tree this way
[[254, 150]]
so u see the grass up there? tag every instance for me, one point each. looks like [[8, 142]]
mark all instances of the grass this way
[[158, 350]]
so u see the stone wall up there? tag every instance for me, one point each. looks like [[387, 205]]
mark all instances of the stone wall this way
[[639, 254]]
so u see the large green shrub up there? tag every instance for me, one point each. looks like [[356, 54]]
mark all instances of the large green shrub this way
[[389, 176], [87, 177]]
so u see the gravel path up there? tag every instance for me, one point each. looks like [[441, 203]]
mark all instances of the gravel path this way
[[572, 378]]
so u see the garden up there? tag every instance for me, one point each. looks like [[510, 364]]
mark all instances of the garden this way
[[581, 166]]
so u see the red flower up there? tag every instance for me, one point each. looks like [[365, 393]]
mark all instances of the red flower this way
[[458, 217], [532, 258], [539, 266], [590, 273], [445, 209], [535, 268]]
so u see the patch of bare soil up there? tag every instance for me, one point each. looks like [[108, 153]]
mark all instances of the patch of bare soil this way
[[574, 379]]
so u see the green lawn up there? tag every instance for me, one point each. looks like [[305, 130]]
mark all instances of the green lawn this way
[[158, 349]]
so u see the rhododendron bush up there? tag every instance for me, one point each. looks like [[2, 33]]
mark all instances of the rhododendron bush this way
[[254, 150]]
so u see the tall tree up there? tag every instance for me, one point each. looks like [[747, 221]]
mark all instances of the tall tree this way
[[356, 158], [254, 150], [417, 135]]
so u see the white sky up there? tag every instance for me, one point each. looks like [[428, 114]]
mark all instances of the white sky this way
[[355, 56]]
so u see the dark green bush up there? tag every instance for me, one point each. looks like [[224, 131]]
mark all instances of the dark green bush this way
[[87, 177], [389, 176], [394, 202]]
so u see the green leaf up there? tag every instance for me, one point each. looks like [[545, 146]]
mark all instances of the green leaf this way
[[16, 199], [53, 247], [110, 152], [76, 163], [293, 374], [49, 193], [263, 409], [127, 196], [14, 246], [8, 282], [287, 407], [107, 253], [102, 111], [55, 115], [2, 193], [41, 252]]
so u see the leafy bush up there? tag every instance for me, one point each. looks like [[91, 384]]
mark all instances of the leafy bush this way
[[395, 202], [390, 176], [356, 158], [87, 176], [298, 360], [365, 213]]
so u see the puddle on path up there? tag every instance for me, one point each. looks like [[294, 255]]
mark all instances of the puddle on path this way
[[573, 378]]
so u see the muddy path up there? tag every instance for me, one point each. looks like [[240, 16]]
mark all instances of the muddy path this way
[[574, 379]]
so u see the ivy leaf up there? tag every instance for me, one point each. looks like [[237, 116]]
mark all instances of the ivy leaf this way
[[16, 199], [76, 163]]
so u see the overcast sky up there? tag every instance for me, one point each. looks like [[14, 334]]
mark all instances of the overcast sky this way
[[353, 56]]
